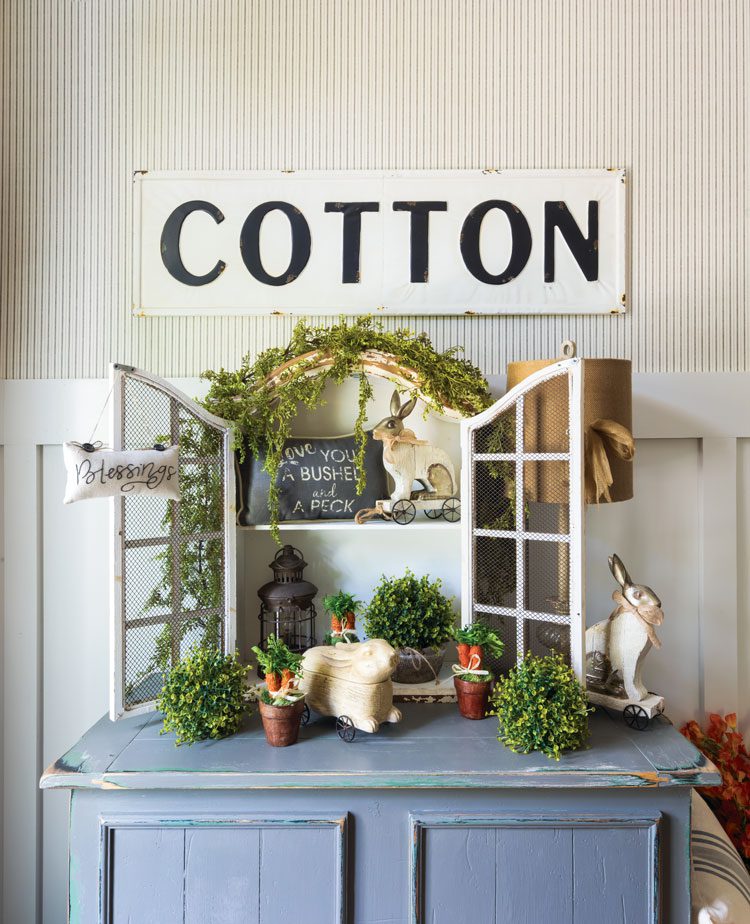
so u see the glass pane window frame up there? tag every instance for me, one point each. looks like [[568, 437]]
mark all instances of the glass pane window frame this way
[[180, 406], [574, 621]]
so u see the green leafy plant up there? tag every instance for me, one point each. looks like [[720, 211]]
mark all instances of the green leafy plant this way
[[474, 642], [204, 695], [479, 633], [541, 706], [342, 608], [281, 668], [341, 603], [263, 412], [410, 612]]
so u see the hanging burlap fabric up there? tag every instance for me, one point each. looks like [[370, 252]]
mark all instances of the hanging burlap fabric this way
[[607, 425]]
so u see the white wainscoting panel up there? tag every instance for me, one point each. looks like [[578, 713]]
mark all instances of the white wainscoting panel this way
[[743, 583], [686, 533], [75, 591]]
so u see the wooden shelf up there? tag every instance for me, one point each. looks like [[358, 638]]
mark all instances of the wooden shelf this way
[[349, 525]]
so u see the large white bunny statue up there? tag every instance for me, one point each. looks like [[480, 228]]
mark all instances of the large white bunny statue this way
[[408, 459], [351, 680], [617, 646]]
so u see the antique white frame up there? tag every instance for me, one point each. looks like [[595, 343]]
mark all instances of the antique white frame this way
[[573, 368], [119, 374]]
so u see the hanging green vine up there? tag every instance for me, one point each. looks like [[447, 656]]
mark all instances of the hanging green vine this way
[[263, 413]]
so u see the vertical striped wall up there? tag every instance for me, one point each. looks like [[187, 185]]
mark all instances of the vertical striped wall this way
[[92, 91]]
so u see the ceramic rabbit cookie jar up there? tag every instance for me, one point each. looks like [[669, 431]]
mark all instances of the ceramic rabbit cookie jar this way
[[351, 682], [617, 646]]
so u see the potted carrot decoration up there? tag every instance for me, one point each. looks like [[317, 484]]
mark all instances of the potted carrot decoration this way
[[471, 679], [342, 608], [281, 702]]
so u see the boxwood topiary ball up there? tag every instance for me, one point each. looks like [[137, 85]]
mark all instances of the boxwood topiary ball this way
[[410, 612], [204, 695], [541, 706]]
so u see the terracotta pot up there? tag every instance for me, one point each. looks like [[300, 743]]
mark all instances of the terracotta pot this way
[[472, 698], [419, 667], [281, 723]]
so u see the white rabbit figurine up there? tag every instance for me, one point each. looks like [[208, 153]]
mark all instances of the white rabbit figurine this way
[[616, 646], [351, 680], [408, 459]]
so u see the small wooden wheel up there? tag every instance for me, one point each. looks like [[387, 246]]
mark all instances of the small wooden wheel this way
[[635, 716], [403, 512], [452, 509], [433, 514], [345, 728], [305, 720]]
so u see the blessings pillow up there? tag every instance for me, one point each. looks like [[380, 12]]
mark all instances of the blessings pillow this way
[[115, 473]]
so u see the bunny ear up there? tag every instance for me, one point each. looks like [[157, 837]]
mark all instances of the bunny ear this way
[[619, 571], [407, 408], [395, 403]]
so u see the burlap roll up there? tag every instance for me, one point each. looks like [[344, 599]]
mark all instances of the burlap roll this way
[[607, 396]]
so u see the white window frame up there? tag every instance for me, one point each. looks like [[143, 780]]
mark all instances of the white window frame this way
[[119, 373], [573, 368]]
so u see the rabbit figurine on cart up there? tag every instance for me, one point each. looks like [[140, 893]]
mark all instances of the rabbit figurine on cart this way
[[408, 459], [353, 683], [617, 646]]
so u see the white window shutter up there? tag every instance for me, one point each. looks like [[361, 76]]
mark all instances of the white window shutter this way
[[173, 561], [523, 517]]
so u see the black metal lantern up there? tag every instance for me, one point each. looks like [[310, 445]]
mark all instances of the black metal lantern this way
[[286, 603]]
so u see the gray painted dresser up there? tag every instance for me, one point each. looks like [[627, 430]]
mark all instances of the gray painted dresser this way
[[428, 821]]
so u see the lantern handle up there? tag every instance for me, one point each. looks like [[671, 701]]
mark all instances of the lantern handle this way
[[282, 550]]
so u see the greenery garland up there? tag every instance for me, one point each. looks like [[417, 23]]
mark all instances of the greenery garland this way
[[263, 414]]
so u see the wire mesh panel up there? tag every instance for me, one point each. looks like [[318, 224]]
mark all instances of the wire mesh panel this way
[[174, 560], [523, 517]]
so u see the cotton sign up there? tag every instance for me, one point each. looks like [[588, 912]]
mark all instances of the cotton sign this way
[[113, 473], [415, 242]]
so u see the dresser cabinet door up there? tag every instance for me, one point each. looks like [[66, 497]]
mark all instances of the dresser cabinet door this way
[[222, 872], [551, 870]]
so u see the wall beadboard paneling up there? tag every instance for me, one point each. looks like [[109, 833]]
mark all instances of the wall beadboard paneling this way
[[93, 91]]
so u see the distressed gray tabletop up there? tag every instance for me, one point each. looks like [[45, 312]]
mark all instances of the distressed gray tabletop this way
[[433, 747]]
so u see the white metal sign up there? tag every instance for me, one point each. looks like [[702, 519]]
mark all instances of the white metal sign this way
[[418, 242]]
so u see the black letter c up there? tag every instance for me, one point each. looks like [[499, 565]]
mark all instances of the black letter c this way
[[170, 243]]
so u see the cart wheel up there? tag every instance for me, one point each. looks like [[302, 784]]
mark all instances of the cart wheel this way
[[305, 715], [635, 716], [403, 512], [452, 509], [433, 514], [345, 728]]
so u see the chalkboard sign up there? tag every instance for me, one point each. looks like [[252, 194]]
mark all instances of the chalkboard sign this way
[[317, 480]]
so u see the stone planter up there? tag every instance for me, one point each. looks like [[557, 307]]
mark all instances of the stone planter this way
[[418, 666], [473, 698], [281, 723]]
